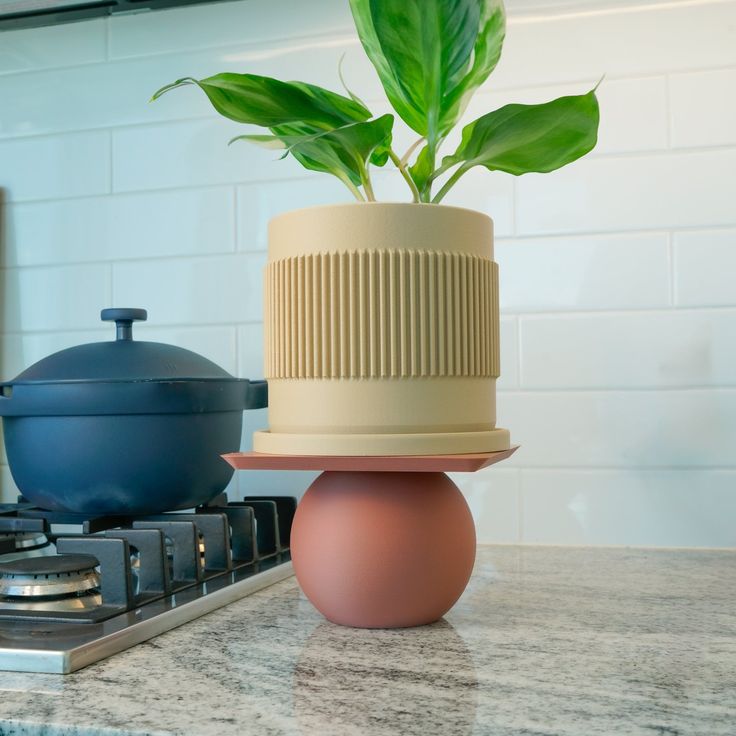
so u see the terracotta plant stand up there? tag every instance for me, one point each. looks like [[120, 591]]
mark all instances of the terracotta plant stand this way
[[380, 541]]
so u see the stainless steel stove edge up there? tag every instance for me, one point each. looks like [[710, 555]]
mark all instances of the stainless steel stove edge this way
[[66, 661]]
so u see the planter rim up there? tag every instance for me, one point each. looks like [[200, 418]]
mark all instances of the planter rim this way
[[383, 205]]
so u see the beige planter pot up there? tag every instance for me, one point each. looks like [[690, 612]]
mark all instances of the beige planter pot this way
[[382, 332]]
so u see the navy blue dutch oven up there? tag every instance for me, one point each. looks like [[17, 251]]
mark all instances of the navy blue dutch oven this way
[[124, 427]]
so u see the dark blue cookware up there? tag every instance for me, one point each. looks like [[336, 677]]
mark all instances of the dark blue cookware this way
[[124, 427]]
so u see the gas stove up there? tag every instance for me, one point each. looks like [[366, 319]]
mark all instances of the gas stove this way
[[75, 589]]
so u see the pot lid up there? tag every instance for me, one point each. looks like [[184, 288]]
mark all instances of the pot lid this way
[[123, 359]]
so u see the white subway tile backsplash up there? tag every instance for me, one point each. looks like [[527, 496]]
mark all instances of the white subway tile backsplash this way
[[705, 265], [629, 40], [250, 351], [670, 349], [633, 115], [670, 508], [22, 349], [190, 154], [509, 379], [703, 108], [216, 24], [274, 482], [633, 111], [123, 226], [197, 290], [258, 203], [55, 167], [54, 298], [217, 344], [587, 272], [104, 95], [488, 192], [620, 398], [586, 429], [479, 190], [629, 193], [118, 92], [52, 47], [494, 500]]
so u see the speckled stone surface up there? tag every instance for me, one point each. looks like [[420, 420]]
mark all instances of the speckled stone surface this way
[[575, 642]]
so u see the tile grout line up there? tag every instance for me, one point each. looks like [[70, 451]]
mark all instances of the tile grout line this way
[[562, 14], [194, 257], [98, 328], [518, 351], [236, 219], [514, 207], [541, 314], [502, 240], [111, 164], [236, 347], [668, 111], [671, 262], [264, 44], [201, 118], [339, 36], [107, 39]]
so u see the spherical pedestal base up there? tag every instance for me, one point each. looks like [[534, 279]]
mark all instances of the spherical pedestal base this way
[[383, 550]]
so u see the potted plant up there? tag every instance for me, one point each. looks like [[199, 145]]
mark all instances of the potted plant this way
[[381, 320]]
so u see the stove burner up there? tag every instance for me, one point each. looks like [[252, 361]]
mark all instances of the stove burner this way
[[23, 544], [74, 589], [52, 576], [21, 537], [30, 541]]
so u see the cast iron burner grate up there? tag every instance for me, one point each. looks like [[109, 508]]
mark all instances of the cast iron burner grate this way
[[146, 559]]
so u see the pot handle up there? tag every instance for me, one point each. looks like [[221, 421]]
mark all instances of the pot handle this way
[[6, 390], [123, 319], [257, 395]]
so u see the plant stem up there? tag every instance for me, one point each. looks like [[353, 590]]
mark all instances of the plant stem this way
[[440, 171], [413, 147], [401, 166], [356, 192], [366, 179], [449, 184], [369, 190], [431, 155]]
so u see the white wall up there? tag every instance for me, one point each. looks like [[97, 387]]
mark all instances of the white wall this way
[[618, 295]]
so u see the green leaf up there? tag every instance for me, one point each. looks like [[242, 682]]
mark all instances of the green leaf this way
[[421, 51], [486, 54], [343, 152], [361, 10], [272, 142], [250, 98], [421, 171], [520, 139]]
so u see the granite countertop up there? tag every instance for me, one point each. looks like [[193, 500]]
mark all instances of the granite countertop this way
[[544, 641]]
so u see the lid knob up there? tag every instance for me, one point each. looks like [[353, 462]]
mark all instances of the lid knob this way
[[123, 319]]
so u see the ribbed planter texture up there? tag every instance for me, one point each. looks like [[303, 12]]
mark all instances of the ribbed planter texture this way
[[382, 332]]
